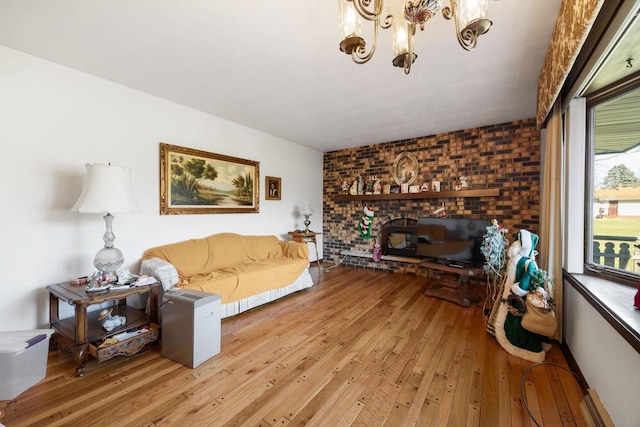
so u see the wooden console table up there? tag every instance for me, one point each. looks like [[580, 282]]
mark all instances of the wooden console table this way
[[458, 284], [83, 333]]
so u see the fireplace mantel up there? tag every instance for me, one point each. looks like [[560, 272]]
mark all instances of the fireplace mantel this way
[[482, 192]]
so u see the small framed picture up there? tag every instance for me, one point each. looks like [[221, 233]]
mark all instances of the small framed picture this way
[[272, 188]]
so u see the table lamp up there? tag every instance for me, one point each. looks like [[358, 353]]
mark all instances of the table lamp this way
[[107, 189], [307, 211]]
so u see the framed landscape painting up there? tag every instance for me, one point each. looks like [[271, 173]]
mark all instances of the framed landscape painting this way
[[198, 182]]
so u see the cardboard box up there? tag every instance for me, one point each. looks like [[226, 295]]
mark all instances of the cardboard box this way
[[23, 360]]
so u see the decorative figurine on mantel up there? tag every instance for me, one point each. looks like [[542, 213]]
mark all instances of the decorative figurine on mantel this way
[[368, 186], [464, 185], [345, 187], [377, 187], [354, 188]]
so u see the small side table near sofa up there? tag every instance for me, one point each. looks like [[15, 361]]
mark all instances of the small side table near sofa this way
[[83, 333], [306, 237]]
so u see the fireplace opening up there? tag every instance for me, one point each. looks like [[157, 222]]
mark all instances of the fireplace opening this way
[[399, 237]]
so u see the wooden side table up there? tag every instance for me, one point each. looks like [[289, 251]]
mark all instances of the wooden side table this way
[[83, 333], [310, 237]]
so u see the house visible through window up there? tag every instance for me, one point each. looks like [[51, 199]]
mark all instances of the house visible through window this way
[[614, 216]]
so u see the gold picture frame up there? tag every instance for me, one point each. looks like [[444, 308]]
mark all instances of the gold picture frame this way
[[198, 182], [405, 168], [272, 188]]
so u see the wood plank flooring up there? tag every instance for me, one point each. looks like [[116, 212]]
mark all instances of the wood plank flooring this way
[[362, 348]]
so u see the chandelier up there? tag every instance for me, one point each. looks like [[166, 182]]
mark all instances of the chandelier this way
[[403, 16]]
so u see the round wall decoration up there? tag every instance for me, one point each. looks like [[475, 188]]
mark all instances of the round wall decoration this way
[[405, 168]]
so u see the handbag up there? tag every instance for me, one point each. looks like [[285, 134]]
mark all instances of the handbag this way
[[541, 321]]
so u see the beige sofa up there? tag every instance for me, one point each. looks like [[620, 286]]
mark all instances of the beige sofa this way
[[245, 271]]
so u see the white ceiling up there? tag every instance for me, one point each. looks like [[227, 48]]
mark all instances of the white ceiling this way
[[275, 66]]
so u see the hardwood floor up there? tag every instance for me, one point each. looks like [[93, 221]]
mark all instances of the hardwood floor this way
[[362, 348]]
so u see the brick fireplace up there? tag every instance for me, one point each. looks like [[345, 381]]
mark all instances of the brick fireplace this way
[[399, 237], [504, 156]]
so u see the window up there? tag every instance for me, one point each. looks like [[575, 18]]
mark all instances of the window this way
[[613, 196]]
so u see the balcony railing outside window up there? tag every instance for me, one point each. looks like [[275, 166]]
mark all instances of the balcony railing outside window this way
[[617, 251]]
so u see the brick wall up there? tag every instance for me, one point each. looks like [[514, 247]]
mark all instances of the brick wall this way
[[504, 156]]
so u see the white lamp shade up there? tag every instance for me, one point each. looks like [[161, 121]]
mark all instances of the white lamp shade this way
[[107, 189]]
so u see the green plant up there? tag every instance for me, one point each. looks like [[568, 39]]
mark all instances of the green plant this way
[[538, 279]]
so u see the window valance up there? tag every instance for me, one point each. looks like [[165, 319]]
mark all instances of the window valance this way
[[573, 24]]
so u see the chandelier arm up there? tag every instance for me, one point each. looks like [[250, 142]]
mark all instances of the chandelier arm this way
[[468, 39], [411, 30], [447, 13], [387, 22], [362, 7], [360, 56]]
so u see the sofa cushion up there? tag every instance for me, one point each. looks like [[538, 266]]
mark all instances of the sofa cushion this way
[[188, 257], [248, 278], [229, 249]]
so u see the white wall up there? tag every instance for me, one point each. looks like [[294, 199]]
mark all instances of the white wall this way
[[608, 362], [54, 119], [628, 208]]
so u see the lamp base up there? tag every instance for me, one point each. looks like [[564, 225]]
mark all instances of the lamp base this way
[[108, 260]]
